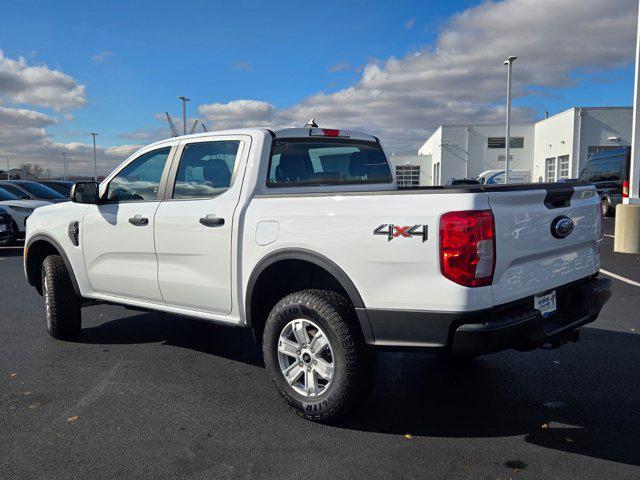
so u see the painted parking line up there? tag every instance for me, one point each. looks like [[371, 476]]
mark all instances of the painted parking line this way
[[622, 279], [12, 248], [610, 236]]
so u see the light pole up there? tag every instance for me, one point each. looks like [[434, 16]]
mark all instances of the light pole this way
[[95, 163], [64, 165], [8, 158], [184, 113], [627, 229], [507, 140]]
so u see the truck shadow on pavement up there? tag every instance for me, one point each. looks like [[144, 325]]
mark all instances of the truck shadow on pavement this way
[[583, 398], [219, 340]]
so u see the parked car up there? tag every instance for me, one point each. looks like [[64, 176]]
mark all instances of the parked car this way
[[302, 236], [462, 181], [28, 190], [63, 187], [6, 227], [18, 210], [609, 172], [491, 177]]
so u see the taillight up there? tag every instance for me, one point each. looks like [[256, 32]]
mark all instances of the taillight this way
[[330, 132], [467, 247], [327, 132], [625, 189]]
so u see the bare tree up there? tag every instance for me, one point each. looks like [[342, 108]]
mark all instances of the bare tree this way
[[34, 169]]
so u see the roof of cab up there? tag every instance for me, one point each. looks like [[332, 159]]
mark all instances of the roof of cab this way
[[279, 133]]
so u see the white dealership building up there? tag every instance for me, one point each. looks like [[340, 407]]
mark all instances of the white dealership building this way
[[554, 148]]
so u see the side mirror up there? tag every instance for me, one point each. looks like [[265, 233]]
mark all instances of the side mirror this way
[[85, 192]]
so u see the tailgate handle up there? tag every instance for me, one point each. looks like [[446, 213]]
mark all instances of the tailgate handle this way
[[558, 197]]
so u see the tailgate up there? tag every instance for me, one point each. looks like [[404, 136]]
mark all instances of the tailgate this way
[[529, 258]]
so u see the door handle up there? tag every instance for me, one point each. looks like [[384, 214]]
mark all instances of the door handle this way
[[212, 221], [139, 220]]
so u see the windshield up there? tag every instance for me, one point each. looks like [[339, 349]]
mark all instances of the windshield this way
[[308, 161], [40, 191], [4, 195], [608, 169], [62, 188]]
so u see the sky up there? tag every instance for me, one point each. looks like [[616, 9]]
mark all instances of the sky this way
[[393, 69]]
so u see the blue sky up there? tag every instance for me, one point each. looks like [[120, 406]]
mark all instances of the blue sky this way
[[134, 58]]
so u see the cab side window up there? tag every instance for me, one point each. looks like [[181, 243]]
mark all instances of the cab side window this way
[[140, 179], [206, 169]]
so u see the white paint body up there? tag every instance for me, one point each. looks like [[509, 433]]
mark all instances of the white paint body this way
[[177, 265]]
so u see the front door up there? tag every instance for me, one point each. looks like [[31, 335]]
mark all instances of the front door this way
[[117, 235], [194, 223]]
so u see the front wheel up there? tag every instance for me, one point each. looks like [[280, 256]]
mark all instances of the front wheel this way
[[61, 304], [605, 207], [315, 354]]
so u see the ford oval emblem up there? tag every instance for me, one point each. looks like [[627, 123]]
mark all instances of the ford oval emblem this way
[[562, 227]]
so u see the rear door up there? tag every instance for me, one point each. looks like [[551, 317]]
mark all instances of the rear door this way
[[531, 257], [194, 223]]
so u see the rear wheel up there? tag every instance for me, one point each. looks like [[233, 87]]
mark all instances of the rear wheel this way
[[315, 354], [61, 304]]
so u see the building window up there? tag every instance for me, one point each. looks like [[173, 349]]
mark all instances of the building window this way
[[407, 176], [550, 169], [499, 142], [435, 179], [502, 157], [564, 166]]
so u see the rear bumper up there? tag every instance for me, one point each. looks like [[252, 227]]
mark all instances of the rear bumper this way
[[513, 326]]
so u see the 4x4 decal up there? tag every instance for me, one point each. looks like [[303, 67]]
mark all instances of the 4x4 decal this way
[[392, 231]]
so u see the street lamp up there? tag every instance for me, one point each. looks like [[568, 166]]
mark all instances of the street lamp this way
[[8, 158], [184, 113], [64, 165], [508, 62], [95, 163]]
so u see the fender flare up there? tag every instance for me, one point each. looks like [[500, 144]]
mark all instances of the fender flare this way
[[51, 241], [308, 256]]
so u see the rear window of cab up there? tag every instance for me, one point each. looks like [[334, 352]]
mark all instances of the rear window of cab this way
[[306, 162]]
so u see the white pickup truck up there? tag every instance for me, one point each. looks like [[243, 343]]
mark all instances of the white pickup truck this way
[[301, 235]]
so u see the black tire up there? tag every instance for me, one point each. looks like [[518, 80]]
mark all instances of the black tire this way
[[353, 362], [62, 306], [16, 233], [605, 207]]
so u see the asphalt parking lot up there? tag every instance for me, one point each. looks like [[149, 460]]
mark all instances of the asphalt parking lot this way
[[146, 395]]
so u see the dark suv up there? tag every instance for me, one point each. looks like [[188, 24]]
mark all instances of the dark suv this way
[[609, 172]]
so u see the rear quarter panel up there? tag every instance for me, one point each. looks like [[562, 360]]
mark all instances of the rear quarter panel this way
[[399, 274]]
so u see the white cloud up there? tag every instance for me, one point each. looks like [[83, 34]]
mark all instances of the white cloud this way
[[410, 23], [101, 57], [23, 137], [462, 78], [38, 85]]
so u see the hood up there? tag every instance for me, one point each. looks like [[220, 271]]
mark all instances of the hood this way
[[25, 203]]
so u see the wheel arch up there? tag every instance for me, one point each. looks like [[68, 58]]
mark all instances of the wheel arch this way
[[36, 250], [285, 259]]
